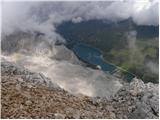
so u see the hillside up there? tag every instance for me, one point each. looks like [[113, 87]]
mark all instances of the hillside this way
[[125, 44], [27, 94], [80, 60]]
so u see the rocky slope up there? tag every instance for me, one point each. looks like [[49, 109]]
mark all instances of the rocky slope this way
[[31, 95], [74, 78], [60, 64], [27, 94]]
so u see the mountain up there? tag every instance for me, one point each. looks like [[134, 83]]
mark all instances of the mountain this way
[[41, 79], [132, 52], [27, 94]]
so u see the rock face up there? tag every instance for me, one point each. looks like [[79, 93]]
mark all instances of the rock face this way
[[64, 53], [27, 94], [135, 101], [10, 69], [147, 106], [76, 79]]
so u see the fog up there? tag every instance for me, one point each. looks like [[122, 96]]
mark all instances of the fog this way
[[67, 71], [44, 16], [22, 20]]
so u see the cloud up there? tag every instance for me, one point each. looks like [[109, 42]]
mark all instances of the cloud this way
[[74, 78], [131, 37], [148, 14], [59, 64], [153, 67], [77, 20], [137, 56], [44, 15]]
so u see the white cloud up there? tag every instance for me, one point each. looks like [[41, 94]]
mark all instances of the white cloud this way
[[148, 14], [29, 15], [74, 78], [77, 20], [44, 16]]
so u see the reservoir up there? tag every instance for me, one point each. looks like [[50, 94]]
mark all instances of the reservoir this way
[[94, 57]]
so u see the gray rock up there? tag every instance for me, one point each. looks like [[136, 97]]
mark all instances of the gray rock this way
[[134, 100], [18, 87], [59, 116], [112, 115], [28, 102]]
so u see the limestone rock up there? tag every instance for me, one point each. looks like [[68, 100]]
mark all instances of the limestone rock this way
[[32, 95], [59, 116]]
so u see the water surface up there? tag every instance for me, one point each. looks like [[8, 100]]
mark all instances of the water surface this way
[[94, 57]]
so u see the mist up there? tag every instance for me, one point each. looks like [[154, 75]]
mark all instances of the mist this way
[[153, 67], [21, 21], [44, 16], [136, 55]]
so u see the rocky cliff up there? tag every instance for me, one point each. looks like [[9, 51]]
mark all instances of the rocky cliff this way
[[27, 94]]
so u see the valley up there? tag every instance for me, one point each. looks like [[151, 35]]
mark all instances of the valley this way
[[124, 44]]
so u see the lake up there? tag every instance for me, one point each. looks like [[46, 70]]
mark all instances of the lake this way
[[94, 57]]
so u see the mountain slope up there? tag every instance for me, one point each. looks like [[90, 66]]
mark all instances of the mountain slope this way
[[123, 43], [27, 94]]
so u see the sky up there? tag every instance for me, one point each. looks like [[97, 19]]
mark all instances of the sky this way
[[44, 16]]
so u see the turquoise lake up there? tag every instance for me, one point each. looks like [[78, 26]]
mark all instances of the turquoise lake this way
[[94, 57]]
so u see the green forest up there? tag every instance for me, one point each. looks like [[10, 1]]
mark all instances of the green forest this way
[[132, 52]]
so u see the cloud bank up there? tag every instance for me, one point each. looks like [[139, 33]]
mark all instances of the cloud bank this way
[[44, 16]]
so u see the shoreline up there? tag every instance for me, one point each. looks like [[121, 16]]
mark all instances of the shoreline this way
[[96, 66]]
